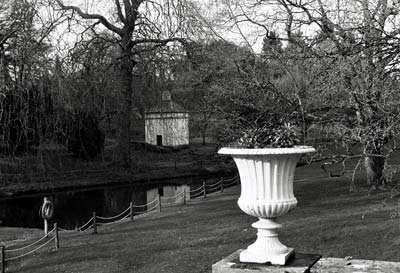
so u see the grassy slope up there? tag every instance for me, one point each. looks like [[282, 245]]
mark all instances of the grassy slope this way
[[328, 220]]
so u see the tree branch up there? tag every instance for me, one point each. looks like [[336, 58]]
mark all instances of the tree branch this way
[[119, 12], [91, 16], [158, 41]]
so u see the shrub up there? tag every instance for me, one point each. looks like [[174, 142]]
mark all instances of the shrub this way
[[85, 139]]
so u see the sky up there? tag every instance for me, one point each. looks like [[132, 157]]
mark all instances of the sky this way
[[215, 14], [212, 12]]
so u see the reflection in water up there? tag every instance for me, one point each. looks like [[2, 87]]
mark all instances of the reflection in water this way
[[72, 209]]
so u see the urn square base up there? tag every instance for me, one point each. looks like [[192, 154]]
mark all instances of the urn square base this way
[[298, 263], [247, 256]]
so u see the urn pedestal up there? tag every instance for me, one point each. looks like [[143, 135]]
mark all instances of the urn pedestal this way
[[266, 177]]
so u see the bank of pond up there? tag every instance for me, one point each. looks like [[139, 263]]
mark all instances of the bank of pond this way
[[73, 208]]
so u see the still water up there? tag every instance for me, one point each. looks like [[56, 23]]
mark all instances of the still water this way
[[74, 208]]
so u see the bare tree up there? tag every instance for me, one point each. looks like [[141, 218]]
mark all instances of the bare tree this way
[[355, 44], [26, 99], [139, 26], [198, 76]]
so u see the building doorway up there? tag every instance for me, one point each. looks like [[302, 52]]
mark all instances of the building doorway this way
[[159, 140]]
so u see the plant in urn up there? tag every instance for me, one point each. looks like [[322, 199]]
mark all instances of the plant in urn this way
[[266, 158]]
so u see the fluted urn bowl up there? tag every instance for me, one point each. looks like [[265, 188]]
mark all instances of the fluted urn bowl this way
[[266, 177]]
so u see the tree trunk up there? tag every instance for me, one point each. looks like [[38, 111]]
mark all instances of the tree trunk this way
[[374, 166], [374, 161], [125, 68], [203, 134], [204, 128]]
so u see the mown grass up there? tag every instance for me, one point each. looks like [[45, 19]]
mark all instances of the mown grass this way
[[329, 220]]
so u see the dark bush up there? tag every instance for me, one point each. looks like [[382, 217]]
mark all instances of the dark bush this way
[[26, 116], [85, 139]]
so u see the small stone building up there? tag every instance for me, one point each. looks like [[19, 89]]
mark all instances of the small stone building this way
[[167, 124]]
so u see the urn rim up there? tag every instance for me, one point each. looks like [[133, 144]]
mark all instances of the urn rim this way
[[266, 151]]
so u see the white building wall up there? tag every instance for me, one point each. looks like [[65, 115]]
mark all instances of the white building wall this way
[[168, 192], [151, 196], [173, 127], [173, 191]]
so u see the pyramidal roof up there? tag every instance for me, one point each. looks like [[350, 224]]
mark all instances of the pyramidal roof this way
[[167, 106]]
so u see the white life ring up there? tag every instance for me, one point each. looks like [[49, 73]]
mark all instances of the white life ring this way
[[47, 210]]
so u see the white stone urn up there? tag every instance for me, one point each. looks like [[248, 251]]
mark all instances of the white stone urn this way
[[266, 177]]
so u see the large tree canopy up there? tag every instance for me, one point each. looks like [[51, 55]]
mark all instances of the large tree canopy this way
[[138, 26], [356, 46], [25, 89], [332, 67]]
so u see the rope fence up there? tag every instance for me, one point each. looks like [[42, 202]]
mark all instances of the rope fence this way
[[200, 188], [113, 222], [6, 253], [215, 184], [30, 252], [176, 200], [145, 205], [233, 183], [28, 246], [215, 188], [116, 216], [82, 228], [11, 254], [173, 197], [198, 195], [149, 210]]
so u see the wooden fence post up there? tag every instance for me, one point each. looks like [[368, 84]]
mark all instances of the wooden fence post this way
[[131, 210], [204, 190], [159, 203], [56, 238], [94, 223], [3, 259]]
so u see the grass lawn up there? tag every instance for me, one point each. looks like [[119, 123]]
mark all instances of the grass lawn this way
[[328, 220]]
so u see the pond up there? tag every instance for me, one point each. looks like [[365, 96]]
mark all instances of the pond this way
[[74, 208]]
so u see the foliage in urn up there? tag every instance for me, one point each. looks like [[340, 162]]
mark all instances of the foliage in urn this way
[[281, 136], [274, 133]]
